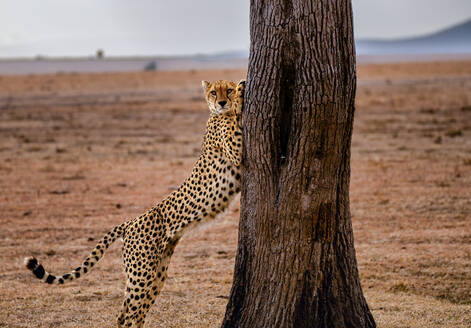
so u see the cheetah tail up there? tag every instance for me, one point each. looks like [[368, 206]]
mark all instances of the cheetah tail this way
[[97, 253]]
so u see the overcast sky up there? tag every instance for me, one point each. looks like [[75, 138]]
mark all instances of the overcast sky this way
[[163, 27]]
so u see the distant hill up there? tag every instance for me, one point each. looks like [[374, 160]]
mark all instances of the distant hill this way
[[235, 54], [456, 39], [447, 44], [452, 40]]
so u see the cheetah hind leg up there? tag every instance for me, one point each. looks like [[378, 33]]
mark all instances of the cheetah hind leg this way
[[162, 270], [137, 304]]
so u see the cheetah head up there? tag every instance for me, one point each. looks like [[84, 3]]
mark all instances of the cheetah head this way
[[219, 95]]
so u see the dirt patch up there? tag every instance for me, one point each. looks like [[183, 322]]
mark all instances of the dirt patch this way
[[80, 153]]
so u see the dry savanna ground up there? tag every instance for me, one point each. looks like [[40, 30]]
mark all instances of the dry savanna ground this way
[[80, 153]]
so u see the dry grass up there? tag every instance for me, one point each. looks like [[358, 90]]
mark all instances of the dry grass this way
[[79, 153]]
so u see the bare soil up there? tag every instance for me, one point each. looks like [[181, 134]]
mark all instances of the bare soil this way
[[80, 153]]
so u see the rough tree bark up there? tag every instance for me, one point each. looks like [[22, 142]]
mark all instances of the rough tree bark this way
[[296, 263]]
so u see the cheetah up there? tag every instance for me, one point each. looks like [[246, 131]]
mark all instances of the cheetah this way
[[150, 239]]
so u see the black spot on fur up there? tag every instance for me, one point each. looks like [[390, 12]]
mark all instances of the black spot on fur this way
[[39, 272], [50, 279], [32, 263]]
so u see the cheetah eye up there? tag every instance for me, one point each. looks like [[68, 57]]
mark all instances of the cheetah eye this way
[[229, 91], [213, 93]]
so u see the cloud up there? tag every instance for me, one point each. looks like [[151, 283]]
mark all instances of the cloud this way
[[152, 27]]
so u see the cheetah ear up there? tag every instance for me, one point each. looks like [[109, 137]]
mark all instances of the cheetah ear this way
[[243, 81], [205, 85]]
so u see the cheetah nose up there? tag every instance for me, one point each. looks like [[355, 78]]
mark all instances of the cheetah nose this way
[[222, 103]]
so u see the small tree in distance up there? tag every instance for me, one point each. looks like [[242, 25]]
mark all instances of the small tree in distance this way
[[100, 54], [296, 263]]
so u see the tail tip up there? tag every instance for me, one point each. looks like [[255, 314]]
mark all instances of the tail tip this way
[[31, 262]]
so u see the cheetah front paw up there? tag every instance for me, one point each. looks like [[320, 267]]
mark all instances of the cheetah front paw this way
[[240, 91]]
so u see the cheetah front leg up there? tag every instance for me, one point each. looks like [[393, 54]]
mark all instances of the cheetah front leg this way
[[238, 103], [232, 136]]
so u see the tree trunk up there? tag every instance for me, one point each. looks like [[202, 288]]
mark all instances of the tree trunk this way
[[296, 263]]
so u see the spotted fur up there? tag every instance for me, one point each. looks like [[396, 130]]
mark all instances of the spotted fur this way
[[150, 239]]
